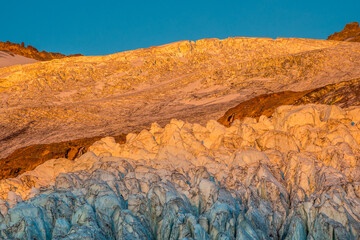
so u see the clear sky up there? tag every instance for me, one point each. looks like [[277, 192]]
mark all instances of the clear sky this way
[[94, 27]]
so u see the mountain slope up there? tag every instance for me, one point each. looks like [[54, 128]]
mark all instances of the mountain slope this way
[[81, 97], [8, 59]]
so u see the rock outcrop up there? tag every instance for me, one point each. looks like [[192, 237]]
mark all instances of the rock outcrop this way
[[28, 158], [343, 94], [63, 99], [30, 52], [294, 175], [351, 33]]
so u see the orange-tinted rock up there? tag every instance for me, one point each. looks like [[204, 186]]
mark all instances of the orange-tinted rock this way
[[27, 158], [344, 94], [261, 105], [351, 33], [31, 52]]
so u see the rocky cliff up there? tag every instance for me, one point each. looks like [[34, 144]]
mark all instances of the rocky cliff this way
[[30, 52], [294, 175], [351, 33]]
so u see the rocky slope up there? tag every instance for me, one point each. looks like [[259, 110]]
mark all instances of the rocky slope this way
[[294, 175], [28, 158], [72, 98], [343, 94], [351, 33], [30, 52]]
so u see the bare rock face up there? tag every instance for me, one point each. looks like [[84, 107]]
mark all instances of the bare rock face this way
[[27, 158], [294, 175], [351, 33], [30, 52], [343, 94]]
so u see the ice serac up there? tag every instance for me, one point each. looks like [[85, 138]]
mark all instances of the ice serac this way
[[294, 175]]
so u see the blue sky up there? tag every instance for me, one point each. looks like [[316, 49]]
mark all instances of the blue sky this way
[[95, 27]]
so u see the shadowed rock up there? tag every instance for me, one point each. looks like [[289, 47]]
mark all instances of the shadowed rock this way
[[344, 94], [28, 158]]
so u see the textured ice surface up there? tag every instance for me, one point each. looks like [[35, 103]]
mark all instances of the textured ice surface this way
[[292, 176]]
